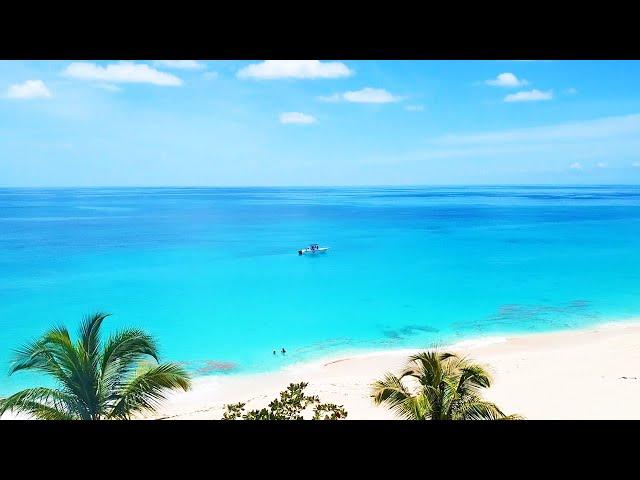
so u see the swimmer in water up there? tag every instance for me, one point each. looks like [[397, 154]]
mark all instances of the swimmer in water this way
[[283, 351]]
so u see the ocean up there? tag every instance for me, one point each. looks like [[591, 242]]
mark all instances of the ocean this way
[[214, 273]]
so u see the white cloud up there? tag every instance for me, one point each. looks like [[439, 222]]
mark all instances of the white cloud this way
[[635, 164], [529, 96], [601, 128], [29, 89], [108, 87], [273, 69], [370, 95], [506, 79], [180, 64], [414, 108], [575, 166], [296, 117], [601, 165], [366, 95], [548, 150], [121, 72], [613, 137], [571, 91], [210, 75]]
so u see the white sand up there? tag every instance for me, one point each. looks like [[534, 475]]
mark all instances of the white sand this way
[[585, 374]]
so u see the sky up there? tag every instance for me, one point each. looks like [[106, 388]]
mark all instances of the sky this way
[[310, 122]]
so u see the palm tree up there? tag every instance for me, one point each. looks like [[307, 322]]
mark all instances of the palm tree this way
[[438, 386], [111, 381]]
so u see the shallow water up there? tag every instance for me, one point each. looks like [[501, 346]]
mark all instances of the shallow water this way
[[214, 273]]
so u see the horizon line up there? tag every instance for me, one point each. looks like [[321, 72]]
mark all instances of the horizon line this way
[[416, 185]]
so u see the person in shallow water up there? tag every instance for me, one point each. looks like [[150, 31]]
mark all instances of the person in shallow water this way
[[283, 351], [274, 352]]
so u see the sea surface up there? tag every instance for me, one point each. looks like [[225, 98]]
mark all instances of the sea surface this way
[[214, 273]]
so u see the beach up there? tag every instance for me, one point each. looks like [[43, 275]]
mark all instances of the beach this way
[[592, 373]]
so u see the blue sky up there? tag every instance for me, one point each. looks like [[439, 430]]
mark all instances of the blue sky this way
[[138, 123]]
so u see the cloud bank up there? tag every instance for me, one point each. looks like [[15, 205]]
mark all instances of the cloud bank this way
[[529, 96], [300, 69], [121, 72], [180, 64], [365, 95]]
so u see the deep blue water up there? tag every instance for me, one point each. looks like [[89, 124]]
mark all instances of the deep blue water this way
[[214, 274]]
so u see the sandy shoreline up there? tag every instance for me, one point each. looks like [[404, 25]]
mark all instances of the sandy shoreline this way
[[593, 373]]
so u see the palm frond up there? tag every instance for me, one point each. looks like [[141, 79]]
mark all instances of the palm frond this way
[[513, 416], [393, 393], [120, 356], [389, 390], [147, 389], [81, 378], [88, 353], [427, 367], [94, 382], [479, 409], [128, 346], [90, 333], [56, 355], [36, 355], [449, 389], [417, 407], [474, 376], [41, 403], [449, 397]]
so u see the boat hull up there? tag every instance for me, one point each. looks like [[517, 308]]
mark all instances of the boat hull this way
[[306, 251]]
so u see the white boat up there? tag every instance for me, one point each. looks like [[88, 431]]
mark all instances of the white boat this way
[[313, 249]]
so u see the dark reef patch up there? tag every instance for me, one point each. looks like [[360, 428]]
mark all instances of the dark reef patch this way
[[532, 316], [208, 367], [408, 330], [216, 366]]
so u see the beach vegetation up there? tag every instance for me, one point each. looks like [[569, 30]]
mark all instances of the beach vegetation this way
[[291, 405], [436, 385], [95, 380]]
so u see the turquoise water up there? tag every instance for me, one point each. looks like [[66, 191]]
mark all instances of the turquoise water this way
[[215, 275]]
